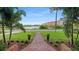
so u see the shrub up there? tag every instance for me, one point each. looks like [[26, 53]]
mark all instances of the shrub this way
[[17, 41], [26, 42], [2, 47], [57, 42], [48, 37], [76, 47], [62, 42], [22, 41], [59, 27], [51, 42], [29, 36], [12, 41], [55, 45], [77, 43], [43, 27]]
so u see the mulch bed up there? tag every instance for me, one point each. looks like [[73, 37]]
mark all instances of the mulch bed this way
[[64, 47], [16, 46], [60, 46]]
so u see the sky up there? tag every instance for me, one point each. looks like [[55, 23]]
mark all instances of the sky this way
[[38, 15]]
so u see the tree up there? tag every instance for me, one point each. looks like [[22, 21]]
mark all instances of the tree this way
[[14, 21], [10, 16], [43, 27], [5, 15], [56, 9], [71, 14]]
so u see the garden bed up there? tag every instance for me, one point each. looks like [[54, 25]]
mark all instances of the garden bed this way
[[22, 39], [55, 39]]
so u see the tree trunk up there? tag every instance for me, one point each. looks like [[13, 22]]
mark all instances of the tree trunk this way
[[72, 30], [10, 33], [77, 32], [72, 36], [56, 21], [3, 33]]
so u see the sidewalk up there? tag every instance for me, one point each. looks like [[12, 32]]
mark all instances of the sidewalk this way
[[38, 44]]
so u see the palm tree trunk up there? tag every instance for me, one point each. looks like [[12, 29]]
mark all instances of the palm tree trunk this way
[[3, 33], [77, 32], [10, 33], [72, 30], [72, 35], [77, 35], [56, 21]]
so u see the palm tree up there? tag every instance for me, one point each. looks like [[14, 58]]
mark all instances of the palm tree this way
[[56, 9], [5, 15], [8, 21], [14, 21], [9, 18]]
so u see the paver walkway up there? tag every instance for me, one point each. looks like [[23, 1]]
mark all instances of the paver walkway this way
[[38, 44]]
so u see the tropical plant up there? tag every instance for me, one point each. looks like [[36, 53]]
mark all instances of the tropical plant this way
[[14, 21], [5, 14], [71, 14], [56, 9], [10, 16], [2, 47]]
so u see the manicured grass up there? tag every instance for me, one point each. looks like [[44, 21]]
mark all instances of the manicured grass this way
[[20, 36], [56, 36], [60, 36]]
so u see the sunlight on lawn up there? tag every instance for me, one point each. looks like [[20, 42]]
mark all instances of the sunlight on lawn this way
[[56, 36], [20, 36]]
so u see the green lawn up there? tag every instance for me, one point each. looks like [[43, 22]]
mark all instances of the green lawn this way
[[20, 36], [56, 36]]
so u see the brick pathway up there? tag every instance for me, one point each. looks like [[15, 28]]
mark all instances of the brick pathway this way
[[38, 44]]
